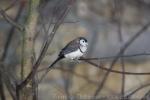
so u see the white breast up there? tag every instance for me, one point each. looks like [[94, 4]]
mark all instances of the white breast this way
[[75, 54], [83, 48]]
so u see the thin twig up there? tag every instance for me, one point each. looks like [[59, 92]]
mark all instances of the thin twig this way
[[72, 72], [2, 92], [42, 54], [138, 89], [118, 9], [8, 83], [146, 96], [116, 71], [11, 5], [59, 19], [11, 21], [127, 44], [123, 78], [121, 56], [107, 69]]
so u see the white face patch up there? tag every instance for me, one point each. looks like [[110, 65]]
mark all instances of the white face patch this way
[[83, 42]]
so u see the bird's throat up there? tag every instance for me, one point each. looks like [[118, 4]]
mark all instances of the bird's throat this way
[[83, 49]]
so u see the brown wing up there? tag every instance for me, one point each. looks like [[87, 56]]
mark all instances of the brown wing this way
[[70, 47]]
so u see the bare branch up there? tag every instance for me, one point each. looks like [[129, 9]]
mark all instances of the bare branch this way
[[146, 96], [118, 9], [138, 89], [127, 44], [122, 56], [107, 69], [46, 45], [2, 93], [116, 71], [11, 5], [11, 21]]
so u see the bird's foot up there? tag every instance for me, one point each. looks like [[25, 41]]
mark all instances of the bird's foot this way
[[77, 60]]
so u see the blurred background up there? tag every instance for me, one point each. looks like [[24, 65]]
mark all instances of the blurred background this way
[[107, 25]]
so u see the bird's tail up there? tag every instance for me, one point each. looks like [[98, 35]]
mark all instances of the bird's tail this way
[[59, 58], [49, 68]]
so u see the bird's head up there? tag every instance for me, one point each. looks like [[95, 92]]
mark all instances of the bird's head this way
[[83, 41]]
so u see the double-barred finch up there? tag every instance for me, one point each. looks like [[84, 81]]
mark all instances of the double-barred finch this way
[[73, 50]]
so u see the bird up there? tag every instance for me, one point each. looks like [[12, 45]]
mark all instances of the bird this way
[[73, 50]]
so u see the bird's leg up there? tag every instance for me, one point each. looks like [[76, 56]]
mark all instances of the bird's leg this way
[[77, 60]]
